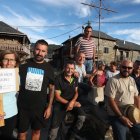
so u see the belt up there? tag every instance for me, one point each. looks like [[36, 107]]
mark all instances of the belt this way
[[88, 58]]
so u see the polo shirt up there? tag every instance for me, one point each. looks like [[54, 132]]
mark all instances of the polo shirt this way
[[66, 88]]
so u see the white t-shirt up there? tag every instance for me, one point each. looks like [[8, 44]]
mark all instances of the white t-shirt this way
[[82, 72], [110, 74]]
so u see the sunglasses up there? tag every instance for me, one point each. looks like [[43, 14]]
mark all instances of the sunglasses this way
[[125, 67]]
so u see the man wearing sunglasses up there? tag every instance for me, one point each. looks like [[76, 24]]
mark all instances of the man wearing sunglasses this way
[[121, 90]]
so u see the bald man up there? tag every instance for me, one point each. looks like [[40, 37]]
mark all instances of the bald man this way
[[121, 90]]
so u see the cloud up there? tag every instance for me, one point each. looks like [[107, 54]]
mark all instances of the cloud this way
[[32, 26], [78, 8], [136, 1], [33, 37], [13, 18], [131, 35], [117, 17], [127, 1]]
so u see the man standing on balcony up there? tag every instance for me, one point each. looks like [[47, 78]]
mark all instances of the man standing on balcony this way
[[86, 45]]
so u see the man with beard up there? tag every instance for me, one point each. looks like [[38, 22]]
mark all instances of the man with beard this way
[[34, 104], [121, 91]]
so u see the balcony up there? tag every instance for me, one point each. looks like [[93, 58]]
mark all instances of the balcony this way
[[24, 49]]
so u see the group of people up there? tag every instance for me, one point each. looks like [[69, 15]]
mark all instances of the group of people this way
[[42, 95], [116, 88]]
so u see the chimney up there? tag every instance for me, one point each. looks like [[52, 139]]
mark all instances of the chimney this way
[[124, 42]]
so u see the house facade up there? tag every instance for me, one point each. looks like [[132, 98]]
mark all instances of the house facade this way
[[104, 47], [12, 39], [126, 50], [107, 49]]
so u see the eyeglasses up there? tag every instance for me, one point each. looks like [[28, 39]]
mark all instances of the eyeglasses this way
[[8, 60], [125, 67]]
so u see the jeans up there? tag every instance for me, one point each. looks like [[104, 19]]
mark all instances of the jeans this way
[[89, 66], [121, 132]]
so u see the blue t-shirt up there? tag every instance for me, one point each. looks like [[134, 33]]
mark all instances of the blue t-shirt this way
[[10, 104]]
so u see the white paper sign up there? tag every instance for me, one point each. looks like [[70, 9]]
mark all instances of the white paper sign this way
[[7, 80]]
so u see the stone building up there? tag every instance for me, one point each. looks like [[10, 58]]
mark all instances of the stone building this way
[[126, 50], [105, 51], [12, 39], [108, 49]]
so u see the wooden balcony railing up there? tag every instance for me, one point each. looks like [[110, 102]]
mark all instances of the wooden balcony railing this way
[[18, 48]]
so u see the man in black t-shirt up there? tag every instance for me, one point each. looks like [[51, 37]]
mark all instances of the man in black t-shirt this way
[[66, 93], [34, 106]]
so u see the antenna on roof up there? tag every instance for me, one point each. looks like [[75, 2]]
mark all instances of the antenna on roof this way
[[100, 8]]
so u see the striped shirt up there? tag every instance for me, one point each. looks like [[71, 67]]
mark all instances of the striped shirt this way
[[86, 46]]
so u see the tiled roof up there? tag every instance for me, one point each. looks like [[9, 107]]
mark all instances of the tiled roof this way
[[102, 35], [121, 44], [6, 29], [95, 34]]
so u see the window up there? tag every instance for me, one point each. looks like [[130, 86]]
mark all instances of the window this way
[[106, 50], [127, 54], [121, 55]]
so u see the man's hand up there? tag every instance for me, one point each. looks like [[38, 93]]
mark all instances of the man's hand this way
[[126, 121], [77, 104], [47, 112], [76, 74], [70, 105]]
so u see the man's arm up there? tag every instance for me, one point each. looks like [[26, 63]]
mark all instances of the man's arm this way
[[59, 98], [137, 101], [76, 49], [73, 102], [94, 53], [76, 95], [47, 112], [118, 113]]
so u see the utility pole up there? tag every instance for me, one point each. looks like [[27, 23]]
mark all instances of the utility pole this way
[[100, 9]]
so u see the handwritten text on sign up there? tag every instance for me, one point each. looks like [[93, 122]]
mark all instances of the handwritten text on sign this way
[[7, 80]]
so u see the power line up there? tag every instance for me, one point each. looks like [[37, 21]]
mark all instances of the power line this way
[[117, 22], [105, 22], [44, 26], [134, 22], [65, 33]]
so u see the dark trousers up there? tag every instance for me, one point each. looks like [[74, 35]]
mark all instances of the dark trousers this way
[[83, 90], [59, 112], [6, 132]]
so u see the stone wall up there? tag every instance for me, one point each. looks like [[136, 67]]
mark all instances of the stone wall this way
[[108, 45]]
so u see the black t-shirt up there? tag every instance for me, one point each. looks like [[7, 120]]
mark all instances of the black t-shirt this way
[[34, 80], [137, 80], [67, 89]]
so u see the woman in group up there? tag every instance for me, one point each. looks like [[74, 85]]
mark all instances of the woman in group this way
[[98, 81], [9, 59]]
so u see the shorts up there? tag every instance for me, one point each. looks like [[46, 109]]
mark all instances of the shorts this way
[[33, 118]]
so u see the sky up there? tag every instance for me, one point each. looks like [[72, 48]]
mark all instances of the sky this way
[[58, 20]]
